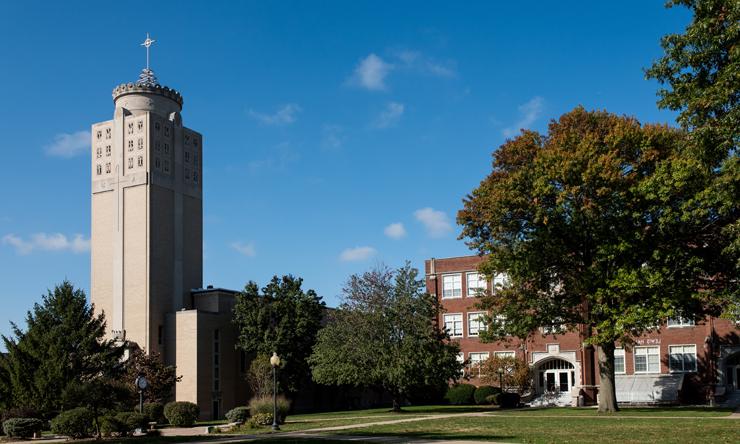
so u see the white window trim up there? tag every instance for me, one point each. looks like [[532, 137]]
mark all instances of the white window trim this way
[[453, 290], [647, 361], [680, 322], [481, 328], [696, 364], [624, 360], [505, 353], [462, 324], [478, 290]]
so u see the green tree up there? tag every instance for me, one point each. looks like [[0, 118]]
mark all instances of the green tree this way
[[281, 318], [161, 377], [700, 77], [574, 218], [63, 345], [386, 335]]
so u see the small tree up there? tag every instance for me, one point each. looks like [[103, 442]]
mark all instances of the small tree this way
[[386, 334], [508, 372], [259, 376], [280, 318], [161, 377]]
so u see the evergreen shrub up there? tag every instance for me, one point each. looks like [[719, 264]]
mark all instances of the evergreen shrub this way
[[238, 414], [483, 392], [76, 423], [181, 413], [460, 394], [22, 427], [154, 412]]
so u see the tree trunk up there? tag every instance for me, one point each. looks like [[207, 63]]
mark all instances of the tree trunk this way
[[607, 386], [397, 402]]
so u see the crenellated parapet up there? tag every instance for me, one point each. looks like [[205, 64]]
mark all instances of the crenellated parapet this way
[[132, 88]]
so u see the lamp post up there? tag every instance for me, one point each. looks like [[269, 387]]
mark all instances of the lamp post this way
[[141, 384], [501, 379], [274, 361]]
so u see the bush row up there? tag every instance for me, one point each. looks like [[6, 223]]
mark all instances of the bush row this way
[[468, 394]]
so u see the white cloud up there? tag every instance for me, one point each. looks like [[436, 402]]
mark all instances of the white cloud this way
[[357, 254], [416, 61], [436, 222], [245, 249], [390, 115], [395, 230], [285, 115], [370, 73], [47, 242], [529, 112], [69, 145], [332, 137]]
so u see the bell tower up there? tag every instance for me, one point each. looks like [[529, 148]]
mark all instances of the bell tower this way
[[147, 211]]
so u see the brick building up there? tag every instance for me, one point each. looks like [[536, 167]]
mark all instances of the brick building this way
[[683, 361]]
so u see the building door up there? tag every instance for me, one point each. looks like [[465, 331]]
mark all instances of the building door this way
[[556, 375]]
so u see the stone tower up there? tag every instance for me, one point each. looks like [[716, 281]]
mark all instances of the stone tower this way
[[147, 212]]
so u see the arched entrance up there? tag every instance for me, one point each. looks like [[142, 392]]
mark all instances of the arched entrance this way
[[555, 376]]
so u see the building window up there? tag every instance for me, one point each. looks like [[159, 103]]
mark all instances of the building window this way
[[99, 135], [461, 361], [131, 128], [647, 359], [98, 152], [476, 359], [166, 166], [195, 159], [130, 145], [187, 156], [140, 143], [99, 169], [187, 173], [619, 361], [156, 145], [500, 281], [476, 284], [680, 322], [454, 324], [107, 133], [166, 148], [476, 323], [140, 125], [682, 358], [130, 162], [107, 150], [556, 328], [166, 130], [156, 126], [187, 138], [195, 141], [505, 354], [452, 286], [156, 162], [107, 167], [195, 176], [140, 161]]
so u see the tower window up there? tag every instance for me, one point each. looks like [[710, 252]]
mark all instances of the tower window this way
[[187, 156], [107, 167], [195, 141], [140, 161], [195, 159], [166, 166], [166, 130], [131, 128], [156, 126], [140, 143], [107, 133], [130, 162], [187, 173], [130, 145], [99, 135], [107, 150], [99, 169], [99, 152], [187, 138], [140, 125], [156, 162], [166, 148]]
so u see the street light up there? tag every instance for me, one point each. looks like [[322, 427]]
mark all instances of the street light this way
[[274, 361], [501, 379]]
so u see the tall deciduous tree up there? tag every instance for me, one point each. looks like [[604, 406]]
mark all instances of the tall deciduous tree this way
[[161, 377], [386, 334], [575, 218], [700, 78], [280, 318], [63, 345]]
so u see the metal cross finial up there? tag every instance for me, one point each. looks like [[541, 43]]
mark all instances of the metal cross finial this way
[[147, 43]]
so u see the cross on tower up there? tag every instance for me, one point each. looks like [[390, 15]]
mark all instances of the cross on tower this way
[[147, 43]]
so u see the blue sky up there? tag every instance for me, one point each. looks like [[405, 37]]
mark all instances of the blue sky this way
[[336, 134]]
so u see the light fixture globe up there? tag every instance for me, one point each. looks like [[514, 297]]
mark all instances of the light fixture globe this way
[[142, 383], [274, 359]]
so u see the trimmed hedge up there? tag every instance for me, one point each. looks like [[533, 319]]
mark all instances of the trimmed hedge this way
[[181, 413], [22, 427], [154, 411], [132, 421], [76, 423], [483, 392], [265, 405], [507, 400], [111, 426], [261, 419], [460, 394], [238, 414]]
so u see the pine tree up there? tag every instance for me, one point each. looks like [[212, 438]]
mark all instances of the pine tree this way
[[63, 345]]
